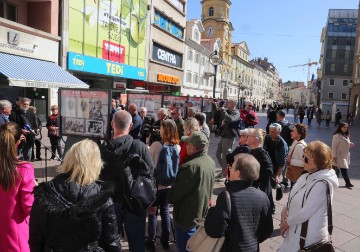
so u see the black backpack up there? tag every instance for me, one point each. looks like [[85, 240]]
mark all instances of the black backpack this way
[[134, 184], [138, 185], [236, 126]]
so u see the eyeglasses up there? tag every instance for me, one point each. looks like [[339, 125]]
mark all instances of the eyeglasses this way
[[250, 106], [307, 159]]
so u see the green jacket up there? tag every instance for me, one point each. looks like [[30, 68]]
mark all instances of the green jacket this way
[[192, 189]]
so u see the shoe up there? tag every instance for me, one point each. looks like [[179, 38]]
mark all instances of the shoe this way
[[285, 183], [165, 244], [150, 246], [349, 185], [39, 159], [280, 192], [52, 158]]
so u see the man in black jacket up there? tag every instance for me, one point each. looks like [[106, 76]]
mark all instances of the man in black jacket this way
[[121, 146], [249, 221], [27, 122]]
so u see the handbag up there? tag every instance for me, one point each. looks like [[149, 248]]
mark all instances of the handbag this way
[[200, 241], [322, 246], [293, 172]]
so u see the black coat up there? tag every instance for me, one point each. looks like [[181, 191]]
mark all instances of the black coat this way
[[67, 217], [250, 222]]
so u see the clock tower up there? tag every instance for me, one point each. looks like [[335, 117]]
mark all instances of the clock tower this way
[[216, 21]]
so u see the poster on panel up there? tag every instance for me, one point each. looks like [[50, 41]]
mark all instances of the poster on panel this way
[[85, 112], [151, 102], [171, 102]]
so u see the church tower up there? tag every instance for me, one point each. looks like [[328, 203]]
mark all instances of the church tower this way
[[216, 21]]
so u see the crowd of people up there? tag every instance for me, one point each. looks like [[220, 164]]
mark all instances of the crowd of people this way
[[87, 205]]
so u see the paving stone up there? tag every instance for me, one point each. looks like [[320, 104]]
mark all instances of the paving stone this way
[[351, 246], [347, 224]]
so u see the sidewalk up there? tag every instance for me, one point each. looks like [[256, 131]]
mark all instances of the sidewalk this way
[[346, 203]]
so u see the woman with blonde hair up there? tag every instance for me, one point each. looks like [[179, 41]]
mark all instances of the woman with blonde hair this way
[[16, 185], [308, 200], [166, 162], [255, 142], [74, 211]]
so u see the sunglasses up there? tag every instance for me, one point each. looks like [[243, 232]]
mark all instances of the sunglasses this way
[[306, 159], [250, 106]]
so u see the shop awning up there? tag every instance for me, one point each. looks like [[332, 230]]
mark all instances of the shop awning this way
[[27, 72]]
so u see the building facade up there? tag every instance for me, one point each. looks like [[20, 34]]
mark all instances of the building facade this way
[[355, 94], [198, 71], [29, 53], [337, 59]]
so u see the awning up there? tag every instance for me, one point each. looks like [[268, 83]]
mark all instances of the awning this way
[[27, 72]]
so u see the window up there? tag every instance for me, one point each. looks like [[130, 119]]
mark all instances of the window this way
[[8, 11], [196, 79], [345, 83], [334, 41], [333, 54], [197, 58], [332, 82], [346, 68], [188, 77], [190, 55], [211, 11], [196, 35], [331, 95], [343, 96], [332, 68]]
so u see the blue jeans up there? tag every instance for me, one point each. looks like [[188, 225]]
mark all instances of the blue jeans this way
[[163, 202], [134, 227], [182, 236]]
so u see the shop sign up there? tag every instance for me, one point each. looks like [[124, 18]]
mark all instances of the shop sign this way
[[168, 79], [83, 63], [166, 56], [118, 84]]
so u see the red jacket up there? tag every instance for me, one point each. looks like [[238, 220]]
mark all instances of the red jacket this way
[[244, 115]]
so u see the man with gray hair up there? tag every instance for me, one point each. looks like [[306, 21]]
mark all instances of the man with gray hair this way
[[5, 111], [117, 149], [27, 122], [249, 220], [228, 117]]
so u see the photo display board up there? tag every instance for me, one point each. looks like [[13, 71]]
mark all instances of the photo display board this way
[[85, 112], [151, 102], [171, 102], [198, 103]]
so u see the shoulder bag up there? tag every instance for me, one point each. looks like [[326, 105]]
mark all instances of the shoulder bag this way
[[200, 241], [322, 246], [293, 172]]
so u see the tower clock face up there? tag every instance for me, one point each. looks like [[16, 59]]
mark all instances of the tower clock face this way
[[210, 31]]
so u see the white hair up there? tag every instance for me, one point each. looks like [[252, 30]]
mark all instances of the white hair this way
[[5, 104]]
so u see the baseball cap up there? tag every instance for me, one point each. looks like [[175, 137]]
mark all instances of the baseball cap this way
[[197, 138]]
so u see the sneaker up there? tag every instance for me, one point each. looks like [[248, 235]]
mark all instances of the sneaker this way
[[165, 244], [280, 192], [150, 246]]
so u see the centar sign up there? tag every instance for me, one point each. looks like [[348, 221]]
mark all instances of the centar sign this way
[[168, 79]]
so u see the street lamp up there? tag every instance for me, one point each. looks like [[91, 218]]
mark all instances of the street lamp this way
[[215, 61], [350, 86]]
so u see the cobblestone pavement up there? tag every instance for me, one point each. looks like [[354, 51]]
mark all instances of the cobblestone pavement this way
[[346, 204]]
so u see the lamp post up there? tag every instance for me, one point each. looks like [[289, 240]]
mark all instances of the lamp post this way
[[215, 61], [350, 86]]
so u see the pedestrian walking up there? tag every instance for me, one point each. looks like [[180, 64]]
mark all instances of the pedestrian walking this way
[[301, 114], [327, 119], [338, 117], [75, 211], [341, 145], [319, 117], [308, 200], [296, 113]]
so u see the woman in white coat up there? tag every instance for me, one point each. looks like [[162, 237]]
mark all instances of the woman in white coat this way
[[296, 152], [317, 161], [340, 150]]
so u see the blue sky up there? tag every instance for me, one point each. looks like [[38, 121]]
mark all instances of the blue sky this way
[[286, 31]]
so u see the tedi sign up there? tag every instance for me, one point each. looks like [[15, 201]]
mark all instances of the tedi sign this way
[[166, 56]]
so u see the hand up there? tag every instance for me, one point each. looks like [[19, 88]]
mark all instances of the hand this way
[[277, 179], [152, 210], [352, 144], [283, 228], [283, 214]]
